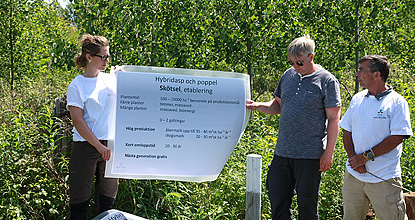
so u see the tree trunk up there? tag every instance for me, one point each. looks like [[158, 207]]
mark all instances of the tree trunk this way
[[410, 205], [11, 48], [357, 53]]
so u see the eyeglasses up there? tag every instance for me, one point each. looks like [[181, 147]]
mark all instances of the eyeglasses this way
[[361, 70], [299, 63], [103, 57]]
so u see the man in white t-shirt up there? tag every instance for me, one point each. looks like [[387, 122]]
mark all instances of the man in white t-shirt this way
[[374, 127]]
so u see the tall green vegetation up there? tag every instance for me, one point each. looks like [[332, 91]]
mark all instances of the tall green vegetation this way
[[35, 55], [248, 36], [35, 38], [39, 40]]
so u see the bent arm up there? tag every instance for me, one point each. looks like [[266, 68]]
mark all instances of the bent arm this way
[[272, 107], [348, 143], [83, 129], [387, 145], [383, 147], [333, 118], [349, 147]]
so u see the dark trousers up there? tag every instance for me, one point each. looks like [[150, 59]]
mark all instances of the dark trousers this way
[[85, 164], [286, 176]]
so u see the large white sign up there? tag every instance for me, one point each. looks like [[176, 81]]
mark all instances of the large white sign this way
[[176, 124]]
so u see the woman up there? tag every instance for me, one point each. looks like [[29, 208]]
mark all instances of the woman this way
[[88, 100]]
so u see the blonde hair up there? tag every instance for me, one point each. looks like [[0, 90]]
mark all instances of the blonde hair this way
[[302, 45], [90, 45]]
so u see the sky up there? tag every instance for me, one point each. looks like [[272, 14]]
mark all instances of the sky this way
[[63, 3]]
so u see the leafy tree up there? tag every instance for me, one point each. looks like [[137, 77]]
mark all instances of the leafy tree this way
[[36, 38]]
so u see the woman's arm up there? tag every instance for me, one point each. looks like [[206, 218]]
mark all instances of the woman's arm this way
[[83, 129]]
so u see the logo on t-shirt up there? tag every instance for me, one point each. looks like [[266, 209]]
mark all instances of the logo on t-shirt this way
[[380, 114]]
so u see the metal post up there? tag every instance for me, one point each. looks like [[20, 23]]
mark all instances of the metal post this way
[[253, 187]]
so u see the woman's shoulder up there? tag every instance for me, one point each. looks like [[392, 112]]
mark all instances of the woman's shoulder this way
[[76, 80]]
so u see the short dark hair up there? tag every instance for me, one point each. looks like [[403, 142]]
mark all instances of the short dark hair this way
[[378, 63]]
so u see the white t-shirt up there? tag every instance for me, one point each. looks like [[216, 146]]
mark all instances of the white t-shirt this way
[[95, 97], [371, 121]]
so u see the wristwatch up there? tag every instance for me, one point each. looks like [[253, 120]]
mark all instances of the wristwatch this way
[[369, 155]]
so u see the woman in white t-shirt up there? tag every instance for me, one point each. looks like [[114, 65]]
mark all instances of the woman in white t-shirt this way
[[89, 100]]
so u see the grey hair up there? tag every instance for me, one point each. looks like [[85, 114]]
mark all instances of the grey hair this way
[[302, 45]]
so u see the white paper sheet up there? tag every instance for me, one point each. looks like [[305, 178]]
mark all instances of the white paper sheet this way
[[176, 124]]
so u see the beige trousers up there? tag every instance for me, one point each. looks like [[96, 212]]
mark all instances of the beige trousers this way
[[386, 199]]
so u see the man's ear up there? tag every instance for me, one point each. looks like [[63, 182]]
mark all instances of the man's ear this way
[[378, 75]]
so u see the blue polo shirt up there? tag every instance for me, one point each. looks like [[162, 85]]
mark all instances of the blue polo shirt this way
[[302, 125]]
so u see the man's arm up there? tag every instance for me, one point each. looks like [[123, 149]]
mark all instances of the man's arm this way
[[349, 147], [333, 118], [272, 107], [348, 143], [383, 147]]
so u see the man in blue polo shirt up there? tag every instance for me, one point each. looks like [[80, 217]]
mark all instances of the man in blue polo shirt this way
[[308, 101], [374, 127]]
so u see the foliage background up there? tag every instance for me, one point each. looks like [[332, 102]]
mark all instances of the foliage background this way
[[39, 40]]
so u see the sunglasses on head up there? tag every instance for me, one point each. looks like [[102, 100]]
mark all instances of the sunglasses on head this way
[[299, 63]]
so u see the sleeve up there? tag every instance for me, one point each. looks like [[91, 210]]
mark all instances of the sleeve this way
[[73, 97], [346, 122], [277, 92], [400, 119], [332, 93]]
